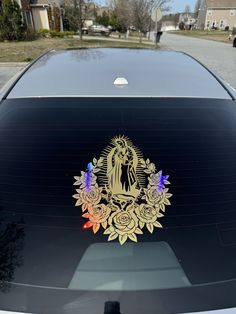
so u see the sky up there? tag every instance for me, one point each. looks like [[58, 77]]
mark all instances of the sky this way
[[179, 5], [176, 5]]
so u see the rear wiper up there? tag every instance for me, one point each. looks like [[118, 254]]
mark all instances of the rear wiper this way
[[112, 307]]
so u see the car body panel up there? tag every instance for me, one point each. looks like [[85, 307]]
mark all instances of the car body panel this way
[[92, 72], [226, 311]]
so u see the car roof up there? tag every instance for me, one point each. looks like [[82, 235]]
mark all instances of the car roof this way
[[137, 72]]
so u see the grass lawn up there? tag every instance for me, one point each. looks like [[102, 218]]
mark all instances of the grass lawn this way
[[25, 51], [217, 35]]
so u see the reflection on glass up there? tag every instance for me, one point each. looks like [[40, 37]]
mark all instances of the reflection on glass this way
[[133, 267], [11, 245]]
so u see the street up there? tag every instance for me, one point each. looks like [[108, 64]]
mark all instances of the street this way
[[219, 57]]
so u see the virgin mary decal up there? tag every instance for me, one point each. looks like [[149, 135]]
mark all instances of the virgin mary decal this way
[[122, 164], [121, 192]]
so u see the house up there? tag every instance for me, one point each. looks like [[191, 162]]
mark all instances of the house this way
[[170, 22], [42, 14], [46, 14], [217, 14], [27, 12], [189, 20], [103, 10]]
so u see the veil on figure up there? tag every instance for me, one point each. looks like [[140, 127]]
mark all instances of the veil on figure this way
[[122, 162]]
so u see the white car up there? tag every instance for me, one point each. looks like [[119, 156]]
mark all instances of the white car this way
[[99, 30]]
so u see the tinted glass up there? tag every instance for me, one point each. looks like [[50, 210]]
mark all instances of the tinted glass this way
[[50, 263]]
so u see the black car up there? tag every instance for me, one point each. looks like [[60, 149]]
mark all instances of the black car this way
[[117, 185]]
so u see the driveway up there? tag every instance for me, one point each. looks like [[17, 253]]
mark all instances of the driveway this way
[[219, 57]]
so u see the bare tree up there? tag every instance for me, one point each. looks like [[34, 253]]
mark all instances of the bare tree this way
[[137, 12], [141, 15], [142, 10], [176, 19], [197, 7], [76, 12], [123, 12], [187, 9], [164, 5]]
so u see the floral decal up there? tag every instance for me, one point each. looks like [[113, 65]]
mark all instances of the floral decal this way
[[122, 193]]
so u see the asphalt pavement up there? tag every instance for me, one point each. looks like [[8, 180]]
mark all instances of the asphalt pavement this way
[[219, 57]]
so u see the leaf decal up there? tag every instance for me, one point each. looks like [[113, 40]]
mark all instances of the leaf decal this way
[[79, 203], [104, 224], [138, 231], [96, 227], [141, 224], [84, 207], [150, 227], [77, 183], [112, 236], [107, 231], [86, 215], [157, 224], [133, 237], [123, 238]]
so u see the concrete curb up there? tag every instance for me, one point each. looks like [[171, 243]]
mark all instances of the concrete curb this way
[[13, 64]]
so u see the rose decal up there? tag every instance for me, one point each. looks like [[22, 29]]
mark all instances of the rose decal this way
[[112, 195], [123, 225]]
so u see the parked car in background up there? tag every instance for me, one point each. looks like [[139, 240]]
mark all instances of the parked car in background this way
[[84, 31], [117, 185], [99, 30]]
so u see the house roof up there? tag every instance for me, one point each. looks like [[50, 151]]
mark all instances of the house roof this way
[[39, 2], [45, 2], [221, 4]]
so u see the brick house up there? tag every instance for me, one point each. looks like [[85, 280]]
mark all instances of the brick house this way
[[27, 12], [42, 14], [217, 14], [46, 14]]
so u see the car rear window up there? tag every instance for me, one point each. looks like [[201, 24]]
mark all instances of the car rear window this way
[[53, 259]]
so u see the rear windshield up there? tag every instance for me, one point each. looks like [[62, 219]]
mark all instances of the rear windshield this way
[[117, 205]]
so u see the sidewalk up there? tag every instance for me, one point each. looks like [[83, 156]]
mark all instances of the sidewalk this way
[[13, 64]]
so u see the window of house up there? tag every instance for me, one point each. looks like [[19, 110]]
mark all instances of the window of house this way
[[28, 18], [222, 24], [208, 23], [209, 13], [214, 24], [232, 12]]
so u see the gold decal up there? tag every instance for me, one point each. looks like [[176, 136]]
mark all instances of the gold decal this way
[[122, 193]]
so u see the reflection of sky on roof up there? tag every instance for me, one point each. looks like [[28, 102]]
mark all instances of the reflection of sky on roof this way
[[83, 72]]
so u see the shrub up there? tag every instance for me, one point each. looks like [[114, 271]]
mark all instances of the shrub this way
[[181, 26], [43, 31], [12, 27], [48, 33], [30, 34]]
